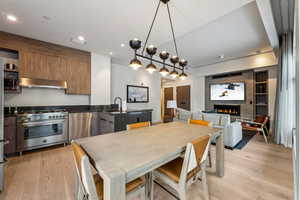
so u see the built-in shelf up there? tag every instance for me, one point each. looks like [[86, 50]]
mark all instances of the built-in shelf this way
[[261, 93], [262, 82]]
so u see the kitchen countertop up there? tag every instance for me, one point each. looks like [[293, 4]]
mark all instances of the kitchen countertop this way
[[111, 109]]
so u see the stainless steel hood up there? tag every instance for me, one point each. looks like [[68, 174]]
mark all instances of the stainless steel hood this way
[[42, 83]]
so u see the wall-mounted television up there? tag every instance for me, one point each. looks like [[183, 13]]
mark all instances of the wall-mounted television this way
[[227, 91]]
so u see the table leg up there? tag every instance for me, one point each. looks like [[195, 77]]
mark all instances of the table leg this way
[[114, 186], [220, 155]]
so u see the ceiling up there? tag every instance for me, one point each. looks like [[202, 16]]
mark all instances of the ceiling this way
[[205, 29]]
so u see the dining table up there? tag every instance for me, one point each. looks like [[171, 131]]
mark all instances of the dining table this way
[[126, 155]]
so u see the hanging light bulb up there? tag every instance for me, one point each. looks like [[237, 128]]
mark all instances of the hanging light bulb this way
[[183, 63], [151, 68], [135, 63], [164, 56], [135, 44], [151, 50], [174, 60]]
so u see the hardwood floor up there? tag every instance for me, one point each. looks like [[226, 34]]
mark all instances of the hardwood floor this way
[[257, 172]]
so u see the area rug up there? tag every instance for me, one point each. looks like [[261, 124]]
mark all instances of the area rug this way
[[247, 136]]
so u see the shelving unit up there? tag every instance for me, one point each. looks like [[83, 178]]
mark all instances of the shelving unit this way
[[261, 105]]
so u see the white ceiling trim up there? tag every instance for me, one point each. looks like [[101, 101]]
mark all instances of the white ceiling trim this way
[[265, 9]]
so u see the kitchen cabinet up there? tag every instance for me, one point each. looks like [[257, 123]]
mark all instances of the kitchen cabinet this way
[[42, 60], [10, 132], [139, 116]]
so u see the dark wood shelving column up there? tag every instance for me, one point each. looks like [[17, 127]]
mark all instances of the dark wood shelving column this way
[[261, 93]]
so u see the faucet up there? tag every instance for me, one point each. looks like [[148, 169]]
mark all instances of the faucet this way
[[115, 102]]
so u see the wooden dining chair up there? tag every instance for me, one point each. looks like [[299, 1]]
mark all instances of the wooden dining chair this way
[[203, 123], [92, 185], [138, 125], [177, 173]]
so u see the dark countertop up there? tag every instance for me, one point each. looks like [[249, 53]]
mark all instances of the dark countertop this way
[[10, 111], [111, 109], [130, 111]]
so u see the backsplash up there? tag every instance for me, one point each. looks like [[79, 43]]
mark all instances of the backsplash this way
[[44, 97]]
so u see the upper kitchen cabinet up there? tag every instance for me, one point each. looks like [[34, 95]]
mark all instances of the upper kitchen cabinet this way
[[40, 66], [78, 77], [42, 60]]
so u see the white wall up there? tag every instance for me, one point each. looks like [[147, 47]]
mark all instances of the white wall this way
[[100, 79], [44, 97], [123, 76]]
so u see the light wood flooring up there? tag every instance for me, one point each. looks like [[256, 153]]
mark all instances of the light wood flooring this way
[[257, 172]]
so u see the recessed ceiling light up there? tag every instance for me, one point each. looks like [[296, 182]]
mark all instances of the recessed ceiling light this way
[[81, 38], [111, 53], [122, 45], [221, 56], [11, 18]]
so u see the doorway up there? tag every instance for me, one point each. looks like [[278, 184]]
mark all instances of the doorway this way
[[183, 97]]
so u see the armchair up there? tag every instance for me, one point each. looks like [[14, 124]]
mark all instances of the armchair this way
[[259, 125]]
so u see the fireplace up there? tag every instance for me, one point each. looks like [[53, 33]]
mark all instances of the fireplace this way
[[228, 109]]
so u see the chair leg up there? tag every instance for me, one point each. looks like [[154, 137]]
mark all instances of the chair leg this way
[[204, 184], [264, 134], [209, 157]]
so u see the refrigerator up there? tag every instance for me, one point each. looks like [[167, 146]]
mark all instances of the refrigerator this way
[[2, 160]]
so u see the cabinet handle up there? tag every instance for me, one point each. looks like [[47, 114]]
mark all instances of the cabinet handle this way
[[103, 119]]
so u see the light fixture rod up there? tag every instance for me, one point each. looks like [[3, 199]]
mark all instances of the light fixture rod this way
[[157, 61], [151, 28], [172, 28]]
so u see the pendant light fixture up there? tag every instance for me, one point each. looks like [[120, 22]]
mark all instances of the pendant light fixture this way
[[135, 63], [164, 56], [174, 60], [183, 63], [151, 50]]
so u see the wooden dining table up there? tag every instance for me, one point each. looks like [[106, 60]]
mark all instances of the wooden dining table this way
[[124, 156]]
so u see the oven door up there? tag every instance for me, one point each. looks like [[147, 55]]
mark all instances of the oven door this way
[[36, 134]]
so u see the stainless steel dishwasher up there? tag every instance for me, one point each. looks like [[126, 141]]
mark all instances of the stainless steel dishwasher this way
[[79, 125]]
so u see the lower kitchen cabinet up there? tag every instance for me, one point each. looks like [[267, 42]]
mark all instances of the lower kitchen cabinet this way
[[140, 116], [10, 132]]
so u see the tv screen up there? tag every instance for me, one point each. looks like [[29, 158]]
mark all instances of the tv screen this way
[[227, 92]]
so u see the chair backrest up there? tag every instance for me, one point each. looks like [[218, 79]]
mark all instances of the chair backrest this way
[[199, 122], [201, 147], [138, 125], [84, 171]]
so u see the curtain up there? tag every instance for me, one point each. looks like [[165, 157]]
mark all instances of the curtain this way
[[286, 94]]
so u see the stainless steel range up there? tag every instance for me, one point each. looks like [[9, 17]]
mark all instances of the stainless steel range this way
[[37, 129]]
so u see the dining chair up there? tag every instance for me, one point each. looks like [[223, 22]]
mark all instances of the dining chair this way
[[180, 173], [203, 123], [92, 183], [138, 125]]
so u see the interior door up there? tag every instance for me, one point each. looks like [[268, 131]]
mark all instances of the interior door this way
[[168, 95], [183, 94]]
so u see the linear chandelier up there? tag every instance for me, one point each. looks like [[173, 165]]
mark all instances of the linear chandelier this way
[[151, 50]]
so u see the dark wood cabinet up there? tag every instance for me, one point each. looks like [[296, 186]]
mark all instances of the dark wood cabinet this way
[[43, 60], [140, 116], [10, 135]]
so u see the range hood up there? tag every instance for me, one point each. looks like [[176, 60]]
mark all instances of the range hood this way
[[42, 83]]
